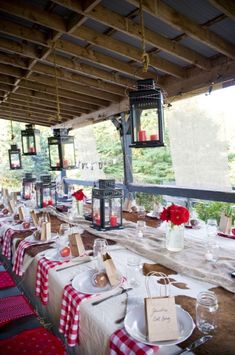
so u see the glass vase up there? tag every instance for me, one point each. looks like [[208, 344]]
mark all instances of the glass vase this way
[[175, 237], [77, 208]]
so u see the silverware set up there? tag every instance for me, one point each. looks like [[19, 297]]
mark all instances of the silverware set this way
[[123, 290]]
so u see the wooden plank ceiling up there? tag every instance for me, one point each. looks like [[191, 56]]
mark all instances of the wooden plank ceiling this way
[[97, 48]]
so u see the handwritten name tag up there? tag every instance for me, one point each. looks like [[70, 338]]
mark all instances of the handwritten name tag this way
[[21, 213], [46, 231], [111, 271], [161, 320], [34, 218]]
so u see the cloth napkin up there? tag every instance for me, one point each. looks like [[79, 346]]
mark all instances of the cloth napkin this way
[[6, 280], [9, 235], [34, 341], [69, 317], [44, 265], [19, 257], [122, 344], [14, 307]]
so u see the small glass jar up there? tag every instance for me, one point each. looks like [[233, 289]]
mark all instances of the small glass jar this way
[[206, 312], [133, 271]]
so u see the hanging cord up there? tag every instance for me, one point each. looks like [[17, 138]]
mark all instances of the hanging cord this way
[[12, 134], [56, 89], [29, 112], [145, 56]]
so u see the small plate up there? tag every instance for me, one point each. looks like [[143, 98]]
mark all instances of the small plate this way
[[153, 215], [83, 283], [134, 324]]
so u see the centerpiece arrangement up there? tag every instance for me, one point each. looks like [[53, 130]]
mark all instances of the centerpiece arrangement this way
[[175, 216], [79, 198]]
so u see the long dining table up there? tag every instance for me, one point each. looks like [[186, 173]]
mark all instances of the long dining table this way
[[188, 271]]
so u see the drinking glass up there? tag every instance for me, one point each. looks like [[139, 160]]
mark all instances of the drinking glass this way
[[64, 229], [206, 312], [133, 271], [211, 227], [141, 211], [140, 228], [100, 248]]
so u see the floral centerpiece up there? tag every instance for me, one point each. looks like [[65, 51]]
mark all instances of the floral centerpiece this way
[[79, 198], [176, 216]]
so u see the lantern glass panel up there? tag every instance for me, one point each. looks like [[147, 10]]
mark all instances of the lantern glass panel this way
[[15, 160], [54, 155], [68, 154], [145, 124], [28, 190]]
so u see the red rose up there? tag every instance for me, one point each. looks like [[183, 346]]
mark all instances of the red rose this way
[[165, 215], [79, 195]]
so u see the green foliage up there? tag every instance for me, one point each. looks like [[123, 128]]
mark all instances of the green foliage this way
[[147, 200], [213, 209]]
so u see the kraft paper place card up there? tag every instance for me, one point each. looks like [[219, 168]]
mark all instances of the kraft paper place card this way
[[46, 231], [34, 218], [161, 319], [21, 213], [76, 245], [111, 271], [225, 223], [11, 205]]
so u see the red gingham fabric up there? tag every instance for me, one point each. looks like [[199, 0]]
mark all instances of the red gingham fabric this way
[[6, 246], [121, 343], [19, 258], [36, 341], [42, 278], [6, 280], [69, 316]]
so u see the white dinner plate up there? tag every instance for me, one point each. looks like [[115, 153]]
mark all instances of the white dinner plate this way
[[83, 283], [134, 324], [153, 215]]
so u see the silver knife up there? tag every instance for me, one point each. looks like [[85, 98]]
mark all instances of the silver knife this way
[[196, 343], [124, 290]]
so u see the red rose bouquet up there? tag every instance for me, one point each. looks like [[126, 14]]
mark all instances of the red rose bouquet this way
[[175, 214]]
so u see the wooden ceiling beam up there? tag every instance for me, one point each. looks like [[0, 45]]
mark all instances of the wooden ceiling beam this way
[[128, 51], [62, 84], [183, 23], [12, 71], [225, 6], [33, 110], [18, 116], [6, 79], [49, 98], [62, 93], [34, 14], [19, 48], [78, 79], [129, 27], [46, 105], [14, 60]]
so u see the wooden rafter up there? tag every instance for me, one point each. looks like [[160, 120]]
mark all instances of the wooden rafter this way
[[225, 6]]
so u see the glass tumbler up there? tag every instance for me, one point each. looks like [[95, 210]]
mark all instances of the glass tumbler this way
[[100, 247], [206, 312], [140, 228], [133, 271]]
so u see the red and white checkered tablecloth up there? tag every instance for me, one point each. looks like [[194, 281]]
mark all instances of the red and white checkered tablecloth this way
[[121, 343], [69, 317], [19, 257], [7, 239], [44, 265]]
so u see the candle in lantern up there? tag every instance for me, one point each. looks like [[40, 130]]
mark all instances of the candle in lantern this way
[[44, 204], [142, 135], [50, 202], [153, 137], [31, 149], [65, 163], [97, 219], [113, 221], [58, 164]]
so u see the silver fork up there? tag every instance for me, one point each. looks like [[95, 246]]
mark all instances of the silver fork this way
[[120, 320]]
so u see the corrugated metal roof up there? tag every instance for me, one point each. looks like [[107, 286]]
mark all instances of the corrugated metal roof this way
[[226, 29], [198, 47]]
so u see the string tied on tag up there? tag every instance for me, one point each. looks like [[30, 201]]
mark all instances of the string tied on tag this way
[[166, 288]]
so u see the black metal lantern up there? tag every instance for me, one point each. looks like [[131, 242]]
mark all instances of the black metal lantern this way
[[30, 138], [28, 184], [14, 157], [45, 192], [146, 114], [61, 150], [107, 206]]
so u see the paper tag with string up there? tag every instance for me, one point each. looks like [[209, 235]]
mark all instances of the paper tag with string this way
[[21, 213], [160, 312], [76, 244]]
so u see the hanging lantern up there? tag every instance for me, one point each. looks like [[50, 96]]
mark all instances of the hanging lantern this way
[[61, 150], [30, 138], [14, 157], [45, 192], [106, 206], [146, 114], [28, 184]]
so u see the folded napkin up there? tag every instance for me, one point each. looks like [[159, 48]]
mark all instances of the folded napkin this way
[[69, 317], [14, 307], [224, 235], [147, 268], [121, 343], [6, 280], [44, 265], [34, 341]]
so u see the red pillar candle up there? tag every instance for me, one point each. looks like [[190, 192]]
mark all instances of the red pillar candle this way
[[142, 135], [31, 149], [113, 221], [44, 204], [153, 137], [97, 220], [50, 202], [65, 163]]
